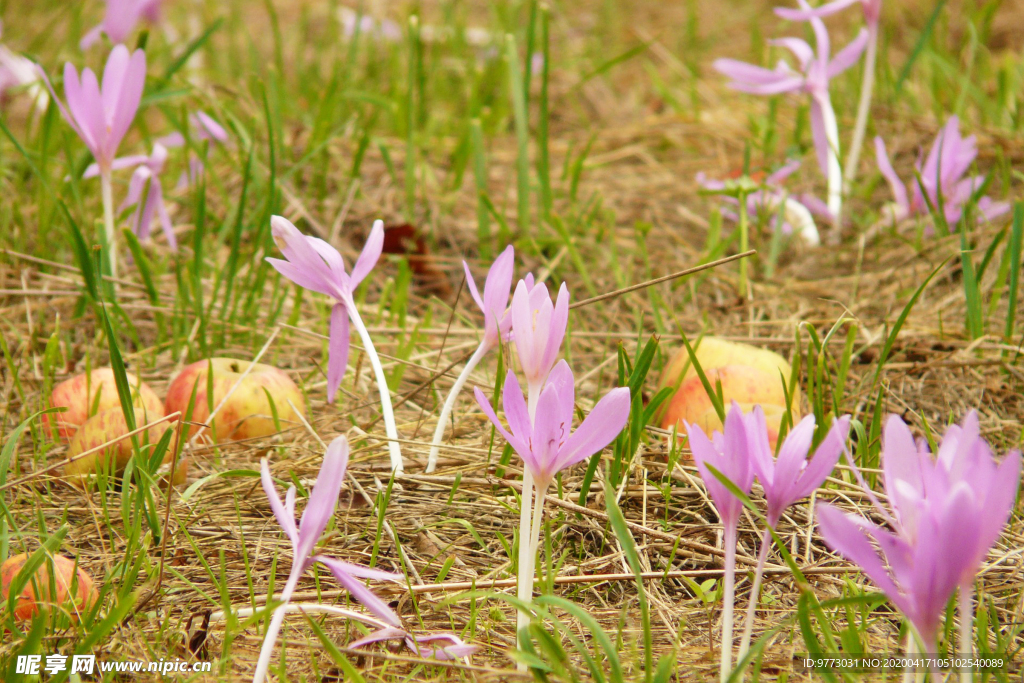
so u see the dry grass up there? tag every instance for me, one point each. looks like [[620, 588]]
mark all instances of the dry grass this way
[[639, 173]]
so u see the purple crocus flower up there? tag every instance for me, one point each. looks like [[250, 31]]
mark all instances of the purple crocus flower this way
[[792, 476], [796, 213], [314, 264], [815, 70], [494, 303], [120, 19], [872, 14], [304, 536], [101, 116], [540, 434], [785, 480], [144, 185], [730, 454], [944, 171], [497, 324], [947, 513], [538, 328], [546, 446]]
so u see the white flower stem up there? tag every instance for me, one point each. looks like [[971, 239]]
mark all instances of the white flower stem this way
[[382, 384], [834, 170], [527, 545], [748, 626], [966, 630], [910, 650], [728, 598], [867, 87], [107, 189], [270, 638], [524, 588], [449, 404]]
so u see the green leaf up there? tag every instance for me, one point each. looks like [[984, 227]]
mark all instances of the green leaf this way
[[618, 522], [351, 673]]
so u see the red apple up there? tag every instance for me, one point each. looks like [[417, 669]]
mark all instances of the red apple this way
[[104, 428], [64, 576], [246, 413], [92, 393]]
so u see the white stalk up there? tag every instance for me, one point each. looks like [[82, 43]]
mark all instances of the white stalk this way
[[966, 630], [382, 385], [867, 87], [449, 404], [834, 170], [755, 592], [524, 587], [107, 189], [728, 598], [270, 638], [527, 547], [911, 650]]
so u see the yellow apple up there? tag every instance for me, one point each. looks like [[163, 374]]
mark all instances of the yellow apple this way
[[748, 375], [91, 393], [107, 426], [63, 578], [246, 413], [709, 422]]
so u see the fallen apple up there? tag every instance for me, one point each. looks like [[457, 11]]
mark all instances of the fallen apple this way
[[103, 428], [247, 412], [64, 578], [747, 374], [91, 393]]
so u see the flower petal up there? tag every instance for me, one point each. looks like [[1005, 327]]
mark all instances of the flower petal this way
[[598, 429], [899, 190], [370, 254], [473, 291], [286, 520], [845, 535], [323, 499], [337, 350], [485, 406], [516, 411], [849, 55], [360, 592]]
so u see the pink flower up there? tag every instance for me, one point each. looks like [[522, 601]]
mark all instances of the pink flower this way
[[792, 476], [120, 19], [815, 68], [102, 116], [731, 454], [314, 264], [947, 513], [546, 445], [538, 328], [943, 171], [494, 303]]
